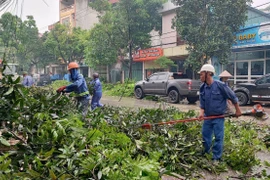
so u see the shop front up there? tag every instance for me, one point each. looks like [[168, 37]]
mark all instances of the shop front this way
[[147, 57], [250, 57]]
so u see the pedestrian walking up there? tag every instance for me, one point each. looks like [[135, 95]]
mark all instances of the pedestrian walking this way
[[27, 80], [78, 86], [97, 92], [213, 102]]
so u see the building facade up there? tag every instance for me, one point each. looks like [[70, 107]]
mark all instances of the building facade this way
[[169, 43], [250, 57], [77, 13]]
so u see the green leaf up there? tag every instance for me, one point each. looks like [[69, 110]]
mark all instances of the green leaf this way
[[52, 175], [266, 163], [33, 173], [4, 141], [10, 90], [99, 174], [17, 80]]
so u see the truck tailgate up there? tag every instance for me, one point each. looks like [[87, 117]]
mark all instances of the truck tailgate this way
[[195, 84]]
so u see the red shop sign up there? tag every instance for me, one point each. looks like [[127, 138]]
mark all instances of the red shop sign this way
[[148, 54]]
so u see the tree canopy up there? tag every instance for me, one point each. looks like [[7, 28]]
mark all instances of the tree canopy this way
[[209, 27], [123, 27], [67, 43], [24, 45]]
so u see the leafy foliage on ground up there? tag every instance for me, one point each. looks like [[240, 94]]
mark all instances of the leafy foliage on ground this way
[[55, 144], [119, 89], [58, 83]]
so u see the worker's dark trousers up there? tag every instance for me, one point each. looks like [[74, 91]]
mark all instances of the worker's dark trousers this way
[[95, 100], [216, 127], [83, 104]]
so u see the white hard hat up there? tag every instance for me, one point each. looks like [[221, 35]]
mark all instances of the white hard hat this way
[[208, 68]]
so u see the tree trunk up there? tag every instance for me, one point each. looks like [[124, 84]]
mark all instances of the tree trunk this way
[[130, 61]]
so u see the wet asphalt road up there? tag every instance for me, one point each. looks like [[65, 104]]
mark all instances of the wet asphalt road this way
[[183, 106]]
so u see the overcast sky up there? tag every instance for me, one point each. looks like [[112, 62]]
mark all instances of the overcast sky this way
[[46, 12]]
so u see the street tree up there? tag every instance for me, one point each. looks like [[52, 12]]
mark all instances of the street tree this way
[[20, 39], [126, 25], [28, 44], [67, 43], [9, 26], [209, 27], [102, 47], [44, 56], [165, 62]]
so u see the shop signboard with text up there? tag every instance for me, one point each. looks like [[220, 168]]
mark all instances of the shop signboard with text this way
[[148, 54], [258, 35]]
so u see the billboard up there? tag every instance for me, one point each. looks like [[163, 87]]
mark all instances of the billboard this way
[[258, 35]]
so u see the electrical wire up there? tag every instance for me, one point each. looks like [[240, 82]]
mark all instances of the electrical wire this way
[[45, 3], [22, 8], [6, 5], [261, 5]]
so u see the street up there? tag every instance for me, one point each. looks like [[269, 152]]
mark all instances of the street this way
[[182, 106]]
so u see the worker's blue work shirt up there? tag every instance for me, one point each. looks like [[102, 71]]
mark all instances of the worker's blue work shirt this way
[[78, 86], [28, 81], [213, 98], [97, 85]]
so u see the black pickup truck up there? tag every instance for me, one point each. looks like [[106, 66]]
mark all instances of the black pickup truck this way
[[174, 85], [257, 91]]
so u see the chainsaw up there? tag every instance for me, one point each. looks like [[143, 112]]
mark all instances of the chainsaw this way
[[257, 111]]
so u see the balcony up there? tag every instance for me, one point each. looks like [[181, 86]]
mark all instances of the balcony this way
[[69, 8], [67, 11]]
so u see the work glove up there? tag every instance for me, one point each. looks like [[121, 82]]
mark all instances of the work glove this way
[[61, 89]]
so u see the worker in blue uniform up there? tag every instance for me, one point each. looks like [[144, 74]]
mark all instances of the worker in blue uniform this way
[[97, 92], [213, 102], [27, 80], [78, 86]]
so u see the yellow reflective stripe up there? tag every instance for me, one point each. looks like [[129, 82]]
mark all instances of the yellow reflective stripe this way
[[84, 93]]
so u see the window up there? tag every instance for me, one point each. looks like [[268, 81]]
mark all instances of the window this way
[[257, 68], [230, 68], [162, 77], [249, 55], [268, 54], [66, 21], [153, 77], [263, 80], [242, 68], [267, 66]]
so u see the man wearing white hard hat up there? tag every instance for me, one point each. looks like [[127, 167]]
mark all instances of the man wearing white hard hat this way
[[213, 102]]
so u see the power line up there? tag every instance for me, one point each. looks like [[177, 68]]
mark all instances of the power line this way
[[262, 5], [45, 3], [22, 8], [6, 5]]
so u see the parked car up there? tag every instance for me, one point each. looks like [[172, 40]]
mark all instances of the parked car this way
[[174, 85], [257, 91], [44, 79]]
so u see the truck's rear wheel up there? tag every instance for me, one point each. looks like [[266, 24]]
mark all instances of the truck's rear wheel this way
[[192, 100], [242, 98], [173, 96], [139, 93]]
